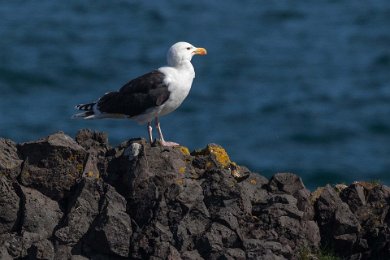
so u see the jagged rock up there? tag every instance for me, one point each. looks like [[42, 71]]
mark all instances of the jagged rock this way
[[18, 245], [9, 205], [40, 214], [292, 184], [10, 163], [286, 182], [216, 238], [370, 204], [191, 255], [86, 200], [336, 221], [64, 252], [83, 210], [263, 249], [42, 249], [143, 178], [4, 255], [92, 140], [254, 188], [96, 144], [52, 165], [112, 230]]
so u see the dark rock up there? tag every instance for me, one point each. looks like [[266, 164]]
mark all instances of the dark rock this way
[[304, 204], [144, 177], [41, 250], [355, 222], [222, 190], [80, 257], [216, 239], [52, 165], [286, 182], [354, 196], [281, 222], [261, 249], [83, 210], [254, 188], [336, 221], [9, 205], [40, 215], [16, 245], [373, 217], [191, 255], [92, 140], [96, 144], [10, 163], [234, 253], [64, 252], [86, 200], [292, 184], [4, 255], [112, 231]]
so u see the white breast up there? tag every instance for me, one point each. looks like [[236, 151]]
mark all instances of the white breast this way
[[179, 81]]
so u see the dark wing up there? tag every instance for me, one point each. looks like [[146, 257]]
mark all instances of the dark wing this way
[[136, 96]]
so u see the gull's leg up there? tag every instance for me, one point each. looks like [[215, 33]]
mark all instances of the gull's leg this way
[[150, 129], [159, 130], [163, 142]]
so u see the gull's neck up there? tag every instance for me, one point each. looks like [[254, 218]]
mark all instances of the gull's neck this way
[[184, 67]]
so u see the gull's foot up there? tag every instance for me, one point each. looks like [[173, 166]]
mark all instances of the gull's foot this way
[[165, 143]]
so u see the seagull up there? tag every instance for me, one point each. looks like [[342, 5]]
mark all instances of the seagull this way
[[151, 95]]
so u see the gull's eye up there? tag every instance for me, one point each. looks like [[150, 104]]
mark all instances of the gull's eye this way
[[188, 48]]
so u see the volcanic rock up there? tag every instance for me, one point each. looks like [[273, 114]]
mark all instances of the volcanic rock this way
[[82, 199]]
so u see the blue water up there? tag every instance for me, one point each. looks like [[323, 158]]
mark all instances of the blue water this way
[[287, 86]]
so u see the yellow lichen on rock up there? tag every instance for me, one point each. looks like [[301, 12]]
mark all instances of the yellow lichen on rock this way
[[220, 158], [184, 150], [209, 165], [179, 181], [182, 170], [316, 194], [235, 170], [91, 174], [253, 181], [220, 155], [80, 168]]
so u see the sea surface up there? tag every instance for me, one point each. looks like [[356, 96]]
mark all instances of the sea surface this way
[[287, 86]]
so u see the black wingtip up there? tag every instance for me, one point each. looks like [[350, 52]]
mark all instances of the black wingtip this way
[[85, 107]]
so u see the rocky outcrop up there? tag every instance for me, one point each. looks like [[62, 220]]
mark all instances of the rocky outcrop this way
[[64, 198]]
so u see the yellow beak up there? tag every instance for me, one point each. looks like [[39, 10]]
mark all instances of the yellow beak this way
[[200, 51]]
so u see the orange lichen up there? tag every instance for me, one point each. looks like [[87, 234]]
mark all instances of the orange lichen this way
[[253, 181]]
